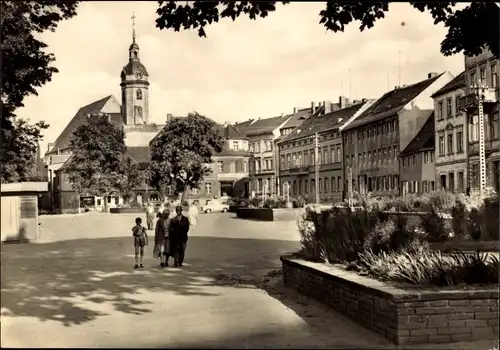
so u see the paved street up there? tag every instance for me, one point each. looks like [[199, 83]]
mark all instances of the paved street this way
[[78, 289]]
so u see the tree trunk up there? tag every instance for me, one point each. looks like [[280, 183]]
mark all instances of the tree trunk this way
[[105, 202], [184, 197]]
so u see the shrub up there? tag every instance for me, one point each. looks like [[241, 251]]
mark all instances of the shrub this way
[[434, 224], [298, 202], [425, 267], [490, 211], [459, 220], [254, 202], [311, 248]]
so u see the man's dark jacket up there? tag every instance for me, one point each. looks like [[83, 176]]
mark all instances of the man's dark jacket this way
[[179, 227]]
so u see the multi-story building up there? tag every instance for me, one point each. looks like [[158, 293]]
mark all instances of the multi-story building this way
[[482, 70], [417, 161], [261, 134], [451, 135], [297, 153], [229, 176], [373, 141]]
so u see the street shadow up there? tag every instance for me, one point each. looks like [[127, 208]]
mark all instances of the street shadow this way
[[20, 237], [77, 281]]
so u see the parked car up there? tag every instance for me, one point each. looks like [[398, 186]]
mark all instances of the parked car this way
[[215, 206]]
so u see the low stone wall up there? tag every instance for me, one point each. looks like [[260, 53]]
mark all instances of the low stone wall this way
[[127, 210], [268, 214], [408, 316]]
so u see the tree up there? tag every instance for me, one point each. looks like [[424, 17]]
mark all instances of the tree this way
[[98, 153], [131, 178], [25, 64], [19, 148], [469, 30], [181, 151]]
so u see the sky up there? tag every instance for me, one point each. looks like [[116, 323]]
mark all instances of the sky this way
[[241, 70]]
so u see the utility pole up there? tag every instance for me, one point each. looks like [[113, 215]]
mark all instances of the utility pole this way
[[479, 90], [316, 165]]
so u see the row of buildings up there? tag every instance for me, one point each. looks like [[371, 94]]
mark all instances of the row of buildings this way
[[414, 138]]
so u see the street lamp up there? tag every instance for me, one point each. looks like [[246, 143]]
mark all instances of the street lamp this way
[[479, 89]]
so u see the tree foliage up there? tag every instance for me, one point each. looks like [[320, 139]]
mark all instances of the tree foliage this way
[[469, 30], [25, 64], [181, 151], [99, 164], [131, 177], [19, 148]]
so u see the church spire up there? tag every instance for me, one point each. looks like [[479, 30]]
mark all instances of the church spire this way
[[133, 27]]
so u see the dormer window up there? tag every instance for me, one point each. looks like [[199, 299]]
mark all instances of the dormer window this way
[[139, 94]]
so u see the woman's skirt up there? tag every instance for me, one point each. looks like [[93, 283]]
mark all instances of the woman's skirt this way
[[162, 247]]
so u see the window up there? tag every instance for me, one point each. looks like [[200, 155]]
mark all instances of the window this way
[[339, 184], [380, 155], [288, 161], [266, 164], [294, 160], [333, 187], [449, 113], [306, 186], [460, 183], [208, 188], [474, 175], [220, 167], [300, 187], [425, 186], [270, 164], [441, 145], [194, 191], [326, 185], [432, 156], [236, 145], [440, 110], [460, 141], [495, 126], [473, 78], [325, 156], [450, 142], [299, 160], [414, 160], [369, 157], [426, 157], [332, 154], [360, 160], [313, 186], [252, 148], [457, 110], [282, 159], [311, 158], [339, 155], [494, 76], [385, 153], [395, 152], [139, 94], [482, 73], [306, 157]]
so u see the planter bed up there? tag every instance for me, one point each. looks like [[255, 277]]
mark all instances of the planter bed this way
[[412, 315], [268, 214]]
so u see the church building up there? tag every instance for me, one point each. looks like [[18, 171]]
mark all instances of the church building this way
[[132, 114]]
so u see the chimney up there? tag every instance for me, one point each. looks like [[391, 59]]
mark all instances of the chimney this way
[[313, 107], [343, 102], [431, 75], [363, 100], [328, 106], [169, 117], [294, 110]]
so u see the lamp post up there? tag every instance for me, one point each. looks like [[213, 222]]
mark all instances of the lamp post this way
[[316, 165], [479, 90]]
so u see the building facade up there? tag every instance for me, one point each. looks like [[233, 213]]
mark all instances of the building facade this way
[[482, 70], [262, 134], [451, 137], [298, 159], [417, 161], [373, 141]]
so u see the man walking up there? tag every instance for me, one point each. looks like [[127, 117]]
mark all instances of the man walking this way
[[150, 214], [179, 227]]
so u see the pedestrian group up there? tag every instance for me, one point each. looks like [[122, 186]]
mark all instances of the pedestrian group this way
[[171, 234]]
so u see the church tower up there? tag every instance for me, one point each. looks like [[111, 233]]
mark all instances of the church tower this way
[[135, 87]]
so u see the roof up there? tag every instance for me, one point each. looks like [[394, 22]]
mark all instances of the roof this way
[[229, 131], [322, 122], [297, 118], [63, 140], [260, 126], [134, 66], [457, 83], [424, 139], [392, 102], [139, 154]]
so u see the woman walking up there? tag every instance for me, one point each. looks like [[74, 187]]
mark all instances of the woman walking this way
[[162, 232]]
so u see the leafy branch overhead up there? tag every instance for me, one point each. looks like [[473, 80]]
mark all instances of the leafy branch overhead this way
[[462, 24], [181, 151]]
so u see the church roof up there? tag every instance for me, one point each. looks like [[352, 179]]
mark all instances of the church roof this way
[[63, 141], [134, 66]]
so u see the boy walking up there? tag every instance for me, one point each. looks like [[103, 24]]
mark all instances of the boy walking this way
[[140, 240]]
